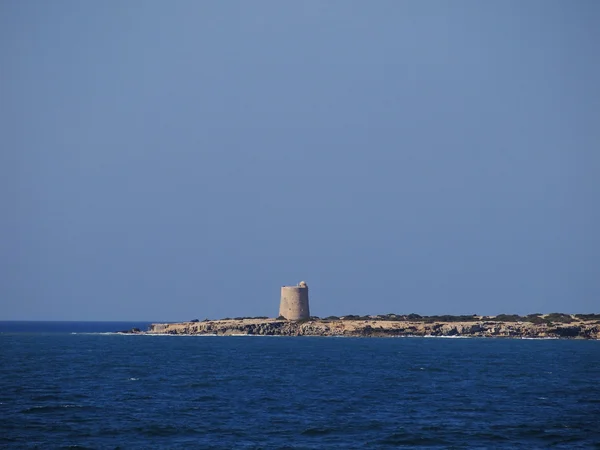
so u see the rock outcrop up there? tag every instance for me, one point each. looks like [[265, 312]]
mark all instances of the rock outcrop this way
[[379, 328]]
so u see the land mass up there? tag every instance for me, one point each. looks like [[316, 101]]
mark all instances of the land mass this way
[[583, 326]]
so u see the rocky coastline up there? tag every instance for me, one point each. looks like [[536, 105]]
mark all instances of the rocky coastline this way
[[575, 328]]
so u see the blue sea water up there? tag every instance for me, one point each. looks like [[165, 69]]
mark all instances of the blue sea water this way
[[107, 391]]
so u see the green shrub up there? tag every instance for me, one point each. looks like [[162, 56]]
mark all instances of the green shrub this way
[[450, 318], [559, 317], [508, 318], [588, 316], [535, 319]]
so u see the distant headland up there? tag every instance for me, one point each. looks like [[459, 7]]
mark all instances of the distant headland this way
[[556, 325], [295, 320]]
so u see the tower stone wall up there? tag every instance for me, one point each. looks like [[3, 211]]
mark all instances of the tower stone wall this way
[[294, 302]]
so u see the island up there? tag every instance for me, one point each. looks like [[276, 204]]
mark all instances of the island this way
[[549, 326], [295, 320]]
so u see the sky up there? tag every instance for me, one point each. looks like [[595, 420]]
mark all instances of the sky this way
[[184, 159]]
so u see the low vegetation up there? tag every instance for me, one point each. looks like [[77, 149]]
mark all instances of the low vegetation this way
[[250, 318], [588, 316], [410, 318], [536, 318], [559, 318]]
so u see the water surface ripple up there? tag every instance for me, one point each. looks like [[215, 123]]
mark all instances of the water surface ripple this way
[[115, 391]]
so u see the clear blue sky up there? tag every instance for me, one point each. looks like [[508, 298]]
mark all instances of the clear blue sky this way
[[175, 160]]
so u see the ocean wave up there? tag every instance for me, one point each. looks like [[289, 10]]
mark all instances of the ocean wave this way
[[52, 408], [101, 333], [447, 337], [549, 338], [250, 393]]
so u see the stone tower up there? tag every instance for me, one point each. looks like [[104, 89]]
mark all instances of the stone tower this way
[[294, 302]]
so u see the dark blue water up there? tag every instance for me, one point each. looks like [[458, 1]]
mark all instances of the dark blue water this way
[[62, 390], [69, 327]]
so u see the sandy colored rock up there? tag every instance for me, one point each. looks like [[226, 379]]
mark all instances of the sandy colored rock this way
[[379, 328]]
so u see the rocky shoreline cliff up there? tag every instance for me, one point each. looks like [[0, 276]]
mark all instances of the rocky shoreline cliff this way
[[485, 327]]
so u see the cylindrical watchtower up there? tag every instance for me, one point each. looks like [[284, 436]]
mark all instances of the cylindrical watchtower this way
[[294, 302]]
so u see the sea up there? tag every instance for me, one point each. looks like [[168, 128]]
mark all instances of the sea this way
[[76, 385]]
